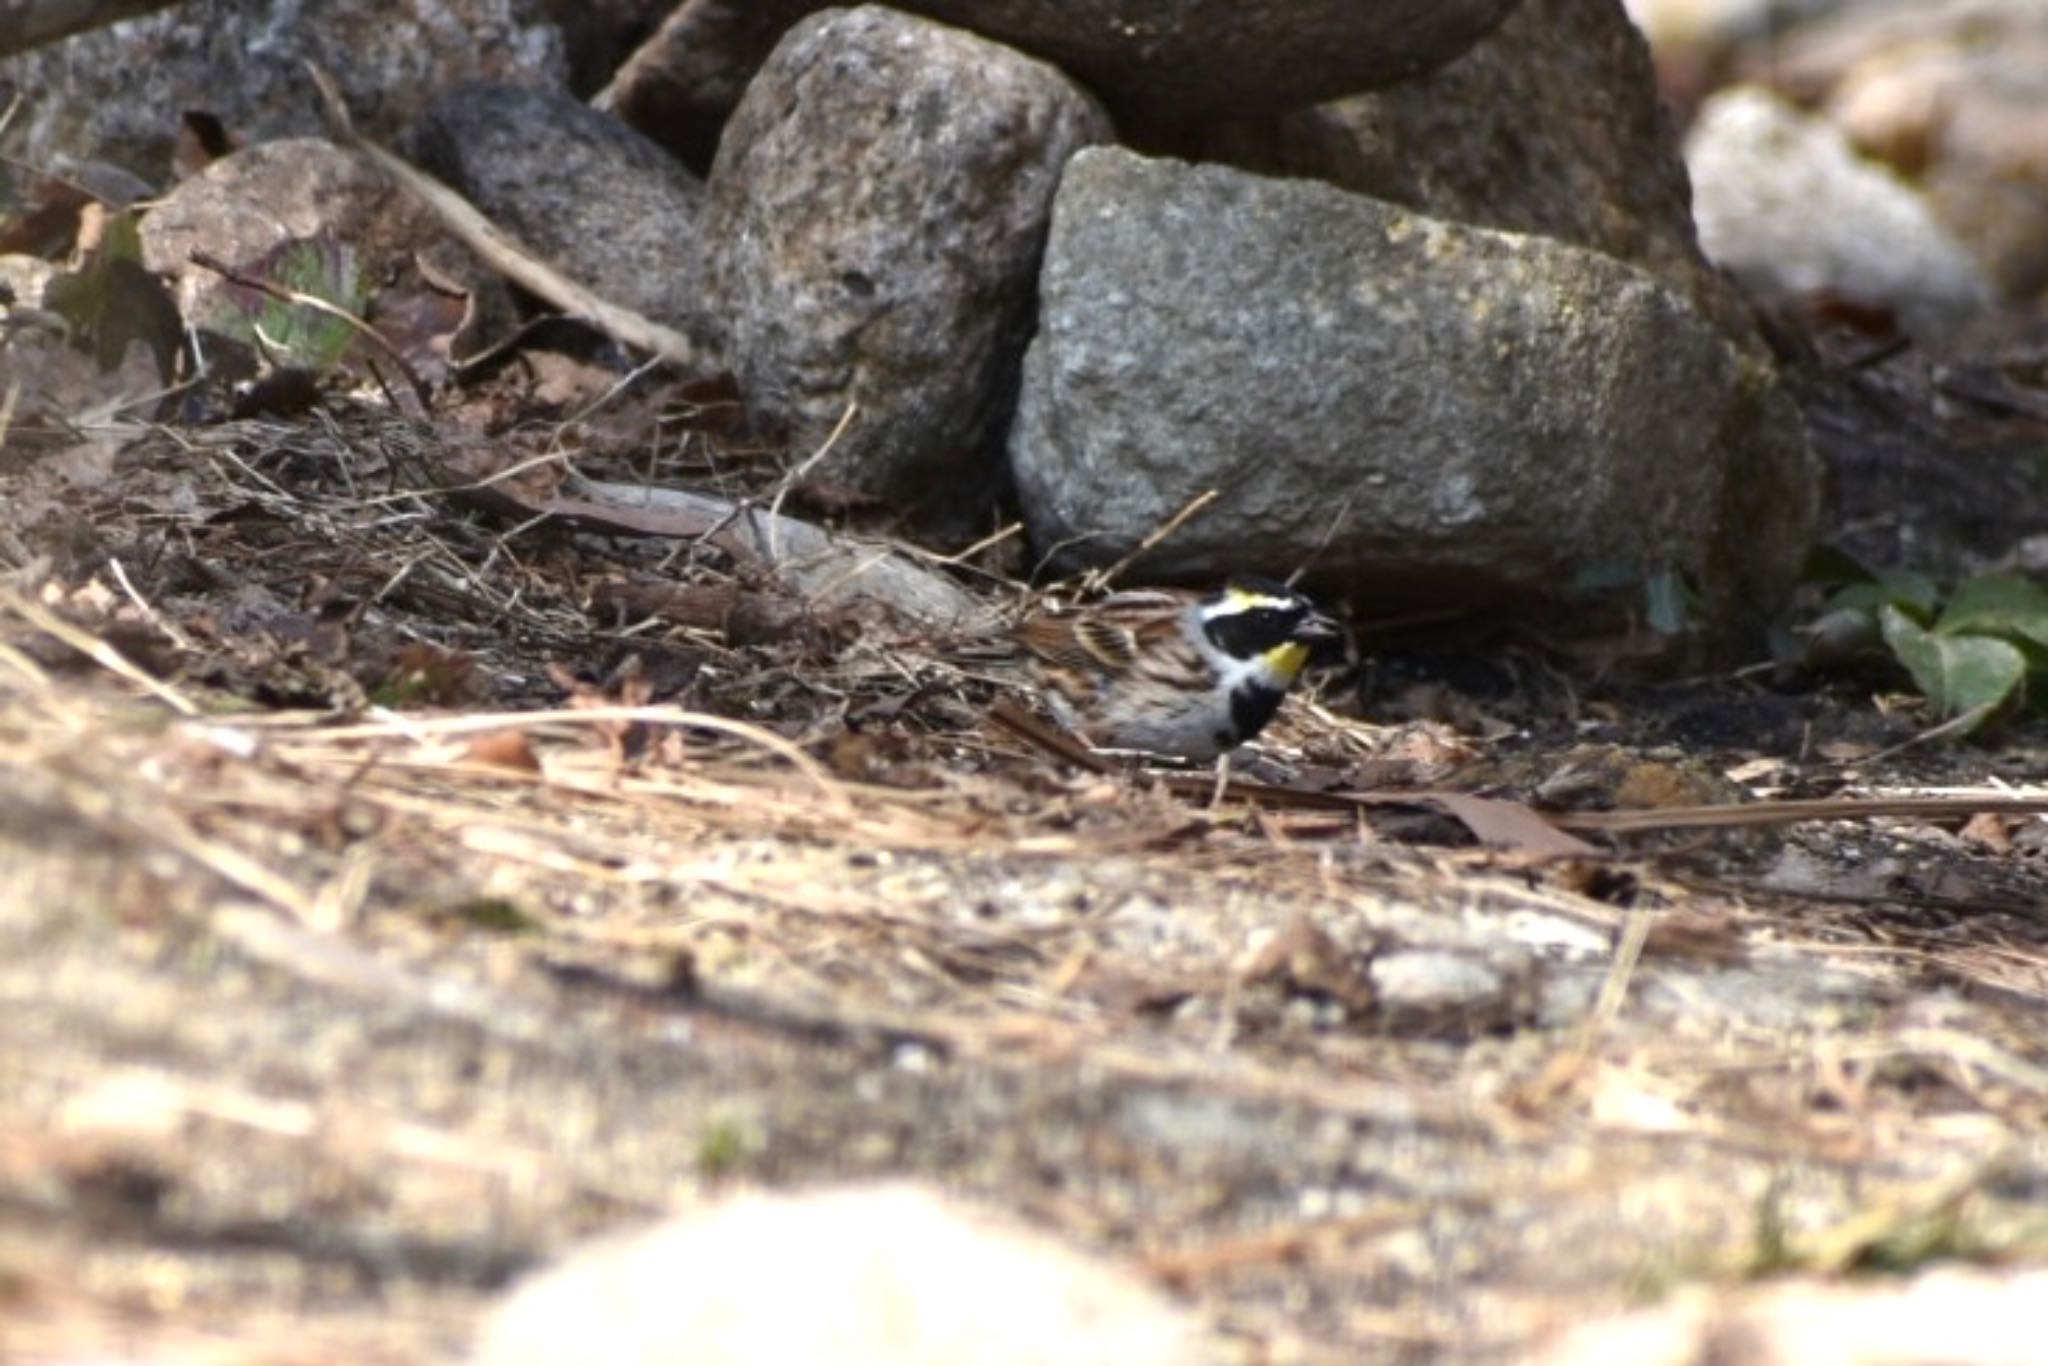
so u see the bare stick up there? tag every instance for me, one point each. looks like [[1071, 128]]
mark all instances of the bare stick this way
[[1025, 726], [960, 557], [497, 247], [1337, 519], [149, 613], [301, 299], [95, 649], [1793, 811], [797, 475], [1099, 579]]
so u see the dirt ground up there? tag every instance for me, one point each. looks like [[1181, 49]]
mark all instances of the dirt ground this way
[[395, 892]]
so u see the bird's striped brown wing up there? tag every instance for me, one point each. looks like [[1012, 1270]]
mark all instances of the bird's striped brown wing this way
[[1080, 642], [1110, 636], [1127, 635]]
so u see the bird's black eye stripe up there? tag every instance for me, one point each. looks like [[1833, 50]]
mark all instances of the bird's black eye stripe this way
[[1253, 631]]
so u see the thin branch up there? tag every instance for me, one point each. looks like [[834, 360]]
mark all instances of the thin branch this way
[[300, 299], [1099, 579], [797, 475], [95, 649], [497, 247], [1793, 812]]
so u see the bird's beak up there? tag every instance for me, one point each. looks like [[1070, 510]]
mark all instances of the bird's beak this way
[[1315, 629]]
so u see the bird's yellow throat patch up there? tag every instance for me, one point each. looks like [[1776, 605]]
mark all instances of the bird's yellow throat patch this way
[[1287, 660]]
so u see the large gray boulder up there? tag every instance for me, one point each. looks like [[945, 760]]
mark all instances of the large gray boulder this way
[[872, 232], [1189, 57], [1419, 408]]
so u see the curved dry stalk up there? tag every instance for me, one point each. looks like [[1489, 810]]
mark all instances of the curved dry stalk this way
[[498, 248], [417, 728]]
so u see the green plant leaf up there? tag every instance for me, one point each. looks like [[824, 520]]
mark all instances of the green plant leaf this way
[[1915, 593], [1831, 566], [291, 334], [112, 301], [1666, 605], [1839, 637], [1912, 588], [1957, 673], [1858, 597], [1998, 605]]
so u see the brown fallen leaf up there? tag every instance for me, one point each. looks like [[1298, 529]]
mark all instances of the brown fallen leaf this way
[[1303, 958], [1989, 831], [504, 749]]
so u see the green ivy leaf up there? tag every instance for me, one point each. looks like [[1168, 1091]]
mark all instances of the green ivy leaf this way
[[1959, 674], [112, 301], [291, 334], [1830, 566], [1998, 605], [1915, 593], [1666, 605]]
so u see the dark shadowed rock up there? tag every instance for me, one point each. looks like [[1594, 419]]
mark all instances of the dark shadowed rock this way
[[680, 86], [117, 93], [1463, 413], [1551, 124], [595, 198], [875, 220], [1158, 61], [1153, 63]]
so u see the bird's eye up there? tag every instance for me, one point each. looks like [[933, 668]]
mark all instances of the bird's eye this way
[[1254, 627], [1278, 620]]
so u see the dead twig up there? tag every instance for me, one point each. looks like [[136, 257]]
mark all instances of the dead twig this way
[[1098, 580], [95, 649], [1025, 726], [301, 299], [149, 613], [797, 475], [394, 726], [1794, 812], [497, 247], [1565, 1067]]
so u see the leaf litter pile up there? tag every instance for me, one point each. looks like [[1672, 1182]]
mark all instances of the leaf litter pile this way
[[425, 849]]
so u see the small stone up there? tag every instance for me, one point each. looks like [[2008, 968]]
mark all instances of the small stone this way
[[1786, 204], [1456, 994], [857, 1276]]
